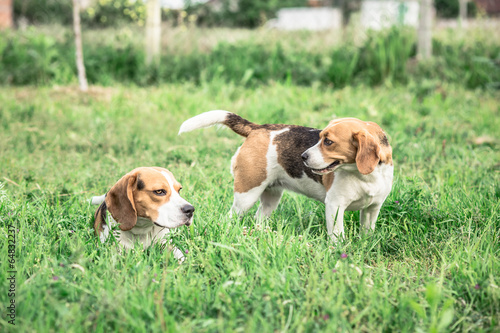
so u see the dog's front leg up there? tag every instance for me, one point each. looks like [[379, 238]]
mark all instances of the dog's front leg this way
[[165, 242], [335, 220], [177, 253]]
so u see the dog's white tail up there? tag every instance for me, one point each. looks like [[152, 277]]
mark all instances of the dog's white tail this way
[[239, 125], [203, 120], [97, 200]]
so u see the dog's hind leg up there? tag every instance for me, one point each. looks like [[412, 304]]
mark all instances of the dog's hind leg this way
[[244, 201], [269, 200]]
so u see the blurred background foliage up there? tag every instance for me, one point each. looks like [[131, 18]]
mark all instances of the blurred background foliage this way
[[114, 51], [247, 13], [450, 8], [230, 13], [35, 56], [98, 13]]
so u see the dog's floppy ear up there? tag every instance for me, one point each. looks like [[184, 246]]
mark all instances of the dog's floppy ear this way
[[368, 155], [100, 218], [120, 202]]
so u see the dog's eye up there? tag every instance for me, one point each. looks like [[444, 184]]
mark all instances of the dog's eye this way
[[160, 192], [327, 142]]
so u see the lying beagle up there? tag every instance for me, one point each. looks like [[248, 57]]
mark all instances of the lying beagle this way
[[145, 203], [348, 166]]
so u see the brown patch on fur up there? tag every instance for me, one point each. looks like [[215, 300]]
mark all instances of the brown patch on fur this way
[[120, 202], [291, 144], [134, 195], [147, 202], [100, 218], [250, 165], [343, 148], [239, 125], [244, 127], [356, 141], [368, 155], [328, 180]]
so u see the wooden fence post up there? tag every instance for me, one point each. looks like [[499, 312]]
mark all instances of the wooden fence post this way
[[153, 32], [424, 46], [82, 77]]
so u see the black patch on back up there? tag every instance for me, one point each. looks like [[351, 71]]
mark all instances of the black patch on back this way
[[140, 184], [276, 127], [383, 139], [291, 144]]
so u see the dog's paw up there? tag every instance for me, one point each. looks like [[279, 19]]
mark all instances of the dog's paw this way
[[179, 255]]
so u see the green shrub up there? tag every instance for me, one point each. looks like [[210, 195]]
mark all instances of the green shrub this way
[[474, 64], [385, 54], [108, 13], [100, 13], [44, 11], [245, 63], [343, 65], [32, 57], [106, 64]]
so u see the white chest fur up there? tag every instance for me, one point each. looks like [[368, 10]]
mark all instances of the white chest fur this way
[[353, 191], [356, 191], [144, 232]]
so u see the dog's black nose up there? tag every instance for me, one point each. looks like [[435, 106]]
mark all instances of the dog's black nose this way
[[188, 210], [305, 156]]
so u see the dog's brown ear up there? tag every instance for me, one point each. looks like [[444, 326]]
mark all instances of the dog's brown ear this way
[[120, 202], [100, 218], [368, 155]]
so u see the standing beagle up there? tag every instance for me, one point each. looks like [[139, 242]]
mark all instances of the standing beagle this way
[[348, 166], [145, 203]]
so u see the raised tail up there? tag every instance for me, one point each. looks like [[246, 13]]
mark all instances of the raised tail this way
[[239, 125]]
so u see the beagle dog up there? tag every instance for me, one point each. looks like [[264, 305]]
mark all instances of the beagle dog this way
[[348, 166], [145, 204]]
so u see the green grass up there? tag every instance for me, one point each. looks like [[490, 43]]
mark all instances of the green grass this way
[[432, 264]]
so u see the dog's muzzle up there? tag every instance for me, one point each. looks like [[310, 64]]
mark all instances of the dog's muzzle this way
[[188, 210]]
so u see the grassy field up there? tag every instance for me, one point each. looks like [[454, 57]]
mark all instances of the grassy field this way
[[432, 264]]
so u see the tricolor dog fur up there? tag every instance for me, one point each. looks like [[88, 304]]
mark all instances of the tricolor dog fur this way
[[348, 166], [146, 204]]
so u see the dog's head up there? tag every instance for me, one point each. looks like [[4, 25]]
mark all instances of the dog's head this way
[[150, 193], [348, 141]]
